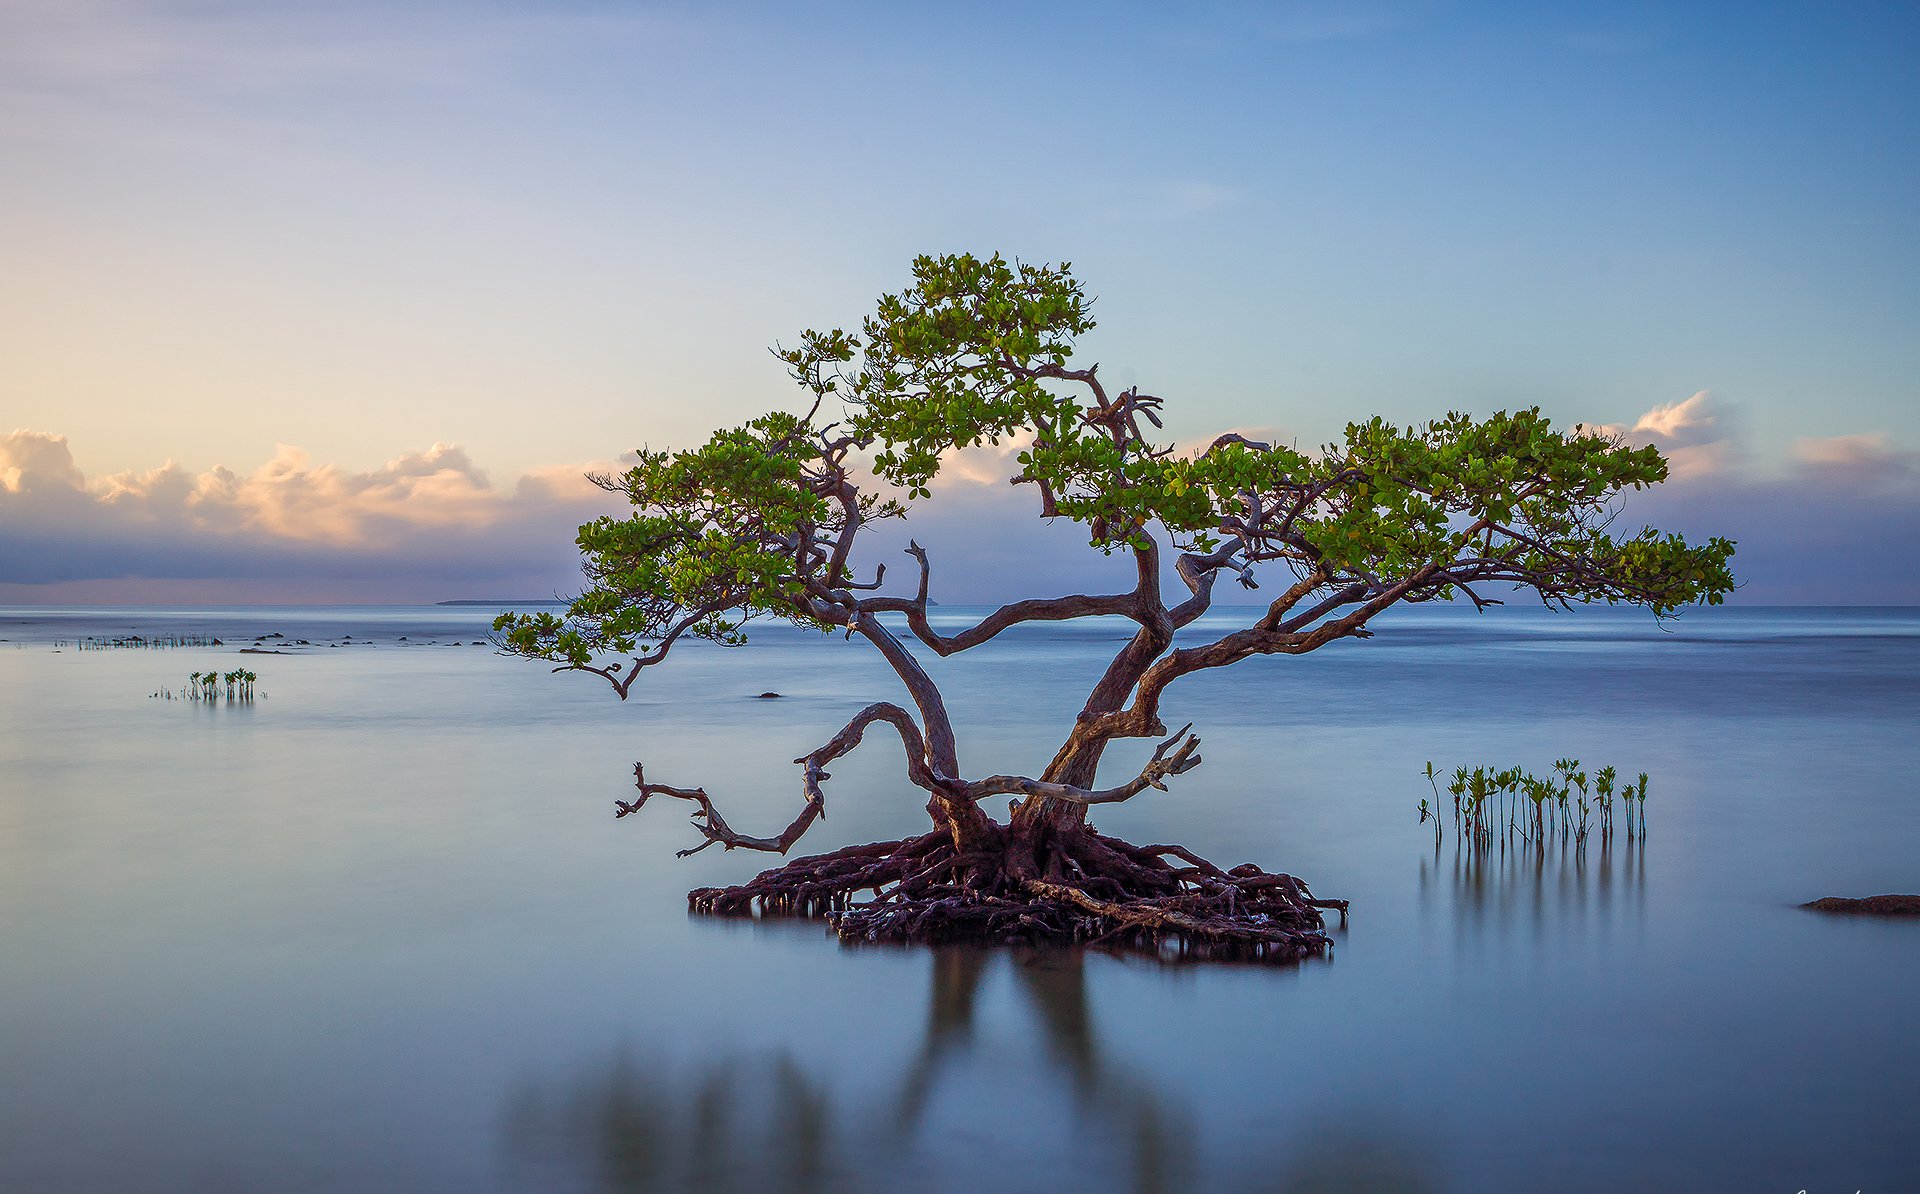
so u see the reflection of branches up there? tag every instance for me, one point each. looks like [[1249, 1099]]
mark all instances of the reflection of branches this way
[[742, 1123]]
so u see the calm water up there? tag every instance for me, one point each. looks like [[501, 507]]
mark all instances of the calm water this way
[[379, 930]]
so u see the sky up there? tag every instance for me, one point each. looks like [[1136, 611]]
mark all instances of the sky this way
[[337, 301]]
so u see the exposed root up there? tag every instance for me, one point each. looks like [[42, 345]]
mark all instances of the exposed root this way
[[1075, 887]]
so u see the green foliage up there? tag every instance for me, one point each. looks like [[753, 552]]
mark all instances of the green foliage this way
[[957, 360], [715, 536], [759, 520]]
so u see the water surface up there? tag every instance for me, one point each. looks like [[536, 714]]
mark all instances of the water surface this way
[[378, 929]]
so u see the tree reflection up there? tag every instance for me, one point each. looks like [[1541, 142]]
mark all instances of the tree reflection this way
[[732, 1127], [761, 1123]]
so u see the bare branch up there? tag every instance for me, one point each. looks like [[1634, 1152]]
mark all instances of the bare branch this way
[[1158, 768], [612, 672], [1046, 609], [714, 828], [1234, 437]]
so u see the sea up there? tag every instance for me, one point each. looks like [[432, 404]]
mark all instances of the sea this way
[[377, 928]]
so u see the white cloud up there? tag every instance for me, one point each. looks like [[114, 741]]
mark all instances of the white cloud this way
[[32, 461], [1692, 434], [1679, 423]]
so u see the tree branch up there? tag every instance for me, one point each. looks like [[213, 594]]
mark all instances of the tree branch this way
[[1045, 609], [1158, 768], [714, 828]]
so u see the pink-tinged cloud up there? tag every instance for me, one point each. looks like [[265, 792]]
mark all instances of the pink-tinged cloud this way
[[1679, 423], [1863, 459], [1692, 434], [427, 525]]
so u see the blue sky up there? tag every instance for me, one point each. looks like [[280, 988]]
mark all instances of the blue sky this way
[[452, 253]]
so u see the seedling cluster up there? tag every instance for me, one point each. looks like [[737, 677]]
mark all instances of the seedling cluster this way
[[1514, 804], [105, 642], [236, 685]]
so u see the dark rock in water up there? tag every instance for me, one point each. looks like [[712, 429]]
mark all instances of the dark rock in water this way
[[261, 651], [769, 696], [1880, 905]]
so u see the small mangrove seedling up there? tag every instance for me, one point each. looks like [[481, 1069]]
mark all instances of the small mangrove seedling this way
[[1603, 792], [1432, 812]]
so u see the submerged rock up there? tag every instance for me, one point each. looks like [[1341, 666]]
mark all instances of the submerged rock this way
[[768, 696], [1880, 905]]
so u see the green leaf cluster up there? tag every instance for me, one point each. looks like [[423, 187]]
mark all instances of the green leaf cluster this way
[[959, 359], [711, 545]]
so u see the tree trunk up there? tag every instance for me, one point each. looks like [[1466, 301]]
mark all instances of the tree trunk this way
[[1077, 763], [1078, 759], [963, 820]]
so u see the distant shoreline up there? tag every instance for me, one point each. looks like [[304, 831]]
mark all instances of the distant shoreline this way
[[541, 601]]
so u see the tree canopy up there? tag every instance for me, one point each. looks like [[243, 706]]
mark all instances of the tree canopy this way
[[763, 521]]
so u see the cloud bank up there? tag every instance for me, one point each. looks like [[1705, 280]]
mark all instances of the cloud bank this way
[[427, 526], [1838, 523]]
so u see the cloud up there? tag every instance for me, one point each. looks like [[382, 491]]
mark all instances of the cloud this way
[[33, 461], [426, 524], [1693, 435], [1679, 424], [987, 464], [1864, 458]]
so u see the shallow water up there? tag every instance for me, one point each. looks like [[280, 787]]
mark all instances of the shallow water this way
[[377, 930]]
